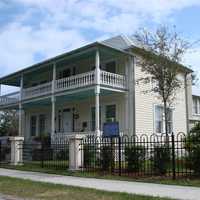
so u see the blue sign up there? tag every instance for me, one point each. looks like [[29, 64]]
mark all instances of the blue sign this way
[[111, 129]]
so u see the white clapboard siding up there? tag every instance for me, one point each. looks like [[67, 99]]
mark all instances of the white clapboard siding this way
[[145, 103]]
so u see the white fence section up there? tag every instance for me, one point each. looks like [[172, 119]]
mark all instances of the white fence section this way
[[72, 82], [38, 90], [113, 80], [11, 98]]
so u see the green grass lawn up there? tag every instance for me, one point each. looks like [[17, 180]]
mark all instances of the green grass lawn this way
[[159, 180], [44, 191]]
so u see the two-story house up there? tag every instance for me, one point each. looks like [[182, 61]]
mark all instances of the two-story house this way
[[80, 90]]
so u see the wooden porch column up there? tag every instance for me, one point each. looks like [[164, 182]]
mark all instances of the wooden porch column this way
[[20, 106], [53, 127], [97, 92], [53, 101]]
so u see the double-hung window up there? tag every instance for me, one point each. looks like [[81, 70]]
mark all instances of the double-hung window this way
[[111, 113], [196, 105], [159, 119]]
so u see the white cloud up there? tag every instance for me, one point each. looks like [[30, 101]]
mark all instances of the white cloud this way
[[192, 59], [19, 44]]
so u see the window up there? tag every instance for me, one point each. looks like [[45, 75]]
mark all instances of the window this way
[[65, 73], [160, 120], [42, 120], [196, 105], [111, 113], [33, 124], [111, 67]]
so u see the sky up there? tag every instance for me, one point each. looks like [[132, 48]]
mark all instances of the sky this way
[[34, 30]]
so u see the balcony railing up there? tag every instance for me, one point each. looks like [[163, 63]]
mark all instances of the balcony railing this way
[[38, 90], [8, 99], [113, 80], [72, 82], [77, 81]]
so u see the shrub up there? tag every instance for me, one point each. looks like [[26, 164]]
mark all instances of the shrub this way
[[106, 158], [134, 156], [192, 146], [161, 159], [62, 154], [89, 155]]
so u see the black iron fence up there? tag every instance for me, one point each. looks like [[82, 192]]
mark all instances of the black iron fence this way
[[5, 151], [53, 155], [175, 156], [140, 156]]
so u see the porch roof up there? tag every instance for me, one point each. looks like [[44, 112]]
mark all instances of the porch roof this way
[[87, 94], [13, 79]]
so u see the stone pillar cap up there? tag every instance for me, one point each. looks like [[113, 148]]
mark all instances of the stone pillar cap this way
[[16, 138], [76, 136]]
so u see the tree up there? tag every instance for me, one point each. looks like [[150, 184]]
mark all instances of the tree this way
[[160, 57], [8, 123], [192, 146]]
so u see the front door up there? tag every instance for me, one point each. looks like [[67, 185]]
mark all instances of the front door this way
[[67, 120]]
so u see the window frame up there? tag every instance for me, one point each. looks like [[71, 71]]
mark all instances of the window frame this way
[[196, 108], [163, 119]]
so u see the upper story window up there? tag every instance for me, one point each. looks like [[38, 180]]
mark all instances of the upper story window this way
[[65, 73], [110, 67], [196, 105], [159, 119]]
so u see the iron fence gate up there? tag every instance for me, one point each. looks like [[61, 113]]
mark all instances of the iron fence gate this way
[[53, 155]]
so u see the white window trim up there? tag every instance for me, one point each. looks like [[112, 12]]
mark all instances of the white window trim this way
[[198, 106], [154, 118]]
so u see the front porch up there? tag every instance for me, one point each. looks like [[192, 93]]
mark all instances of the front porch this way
[[75, 113]]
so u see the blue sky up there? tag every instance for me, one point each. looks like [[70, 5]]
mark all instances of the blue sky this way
[[33, 30]]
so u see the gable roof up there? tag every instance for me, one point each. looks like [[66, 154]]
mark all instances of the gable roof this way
[[126, 43], [119, 42]]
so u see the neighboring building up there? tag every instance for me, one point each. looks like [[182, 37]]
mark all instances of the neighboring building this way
[[195, 107], [80, 90]]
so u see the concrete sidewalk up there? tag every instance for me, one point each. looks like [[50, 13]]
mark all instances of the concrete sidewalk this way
[[170, 191]]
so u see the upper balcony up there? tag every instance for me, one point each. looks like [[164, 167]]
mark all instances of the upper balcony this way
[[82, 80]]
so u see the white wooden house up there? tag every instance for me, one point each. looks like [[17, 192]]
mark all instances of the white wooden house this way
[[80, 90]]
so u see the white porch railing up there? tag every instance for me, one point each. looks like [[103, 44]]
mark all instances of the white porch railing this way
[[38, 90], [72, 82], [77, 81], [113, 80], [9, 98]]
